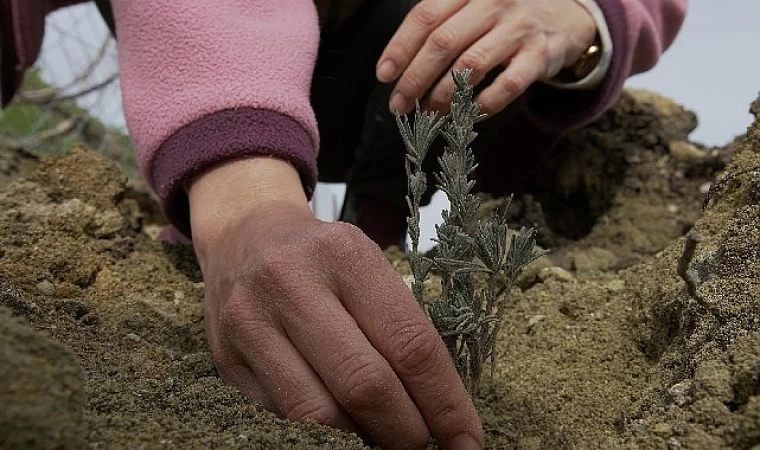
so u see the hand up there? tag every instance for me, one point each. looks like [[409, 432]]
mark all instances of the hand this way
[[533, 39], [308, 317]]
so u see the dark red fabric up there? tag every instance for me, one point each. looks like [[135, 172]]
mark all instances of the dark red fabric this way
[[223, 136]]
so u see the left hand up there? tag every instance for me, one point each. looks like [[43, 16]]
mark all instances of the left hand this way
[[533, 39]]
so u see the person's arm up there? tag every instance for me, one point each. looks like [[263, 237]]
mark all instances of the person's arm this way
[[307, 317], [209, 81], [641, 30]]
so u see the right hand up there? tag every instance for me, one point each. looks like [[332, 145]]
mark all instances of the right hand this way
[[308, 317]]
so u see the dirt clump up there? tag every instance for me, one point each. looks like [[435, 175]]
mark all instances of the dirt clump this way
[[15, 162], [602, 348], [43, 389], [129, 307]]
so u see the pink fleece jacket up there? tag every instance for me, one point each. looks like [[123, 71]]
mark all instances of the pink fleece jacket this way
[[208, 80]]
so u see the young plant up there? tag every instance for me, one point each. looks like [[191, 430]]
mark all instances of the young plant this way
[[468, 314]]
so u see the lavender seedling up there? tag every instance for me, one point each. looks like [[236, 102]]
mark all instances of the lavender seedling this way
[[417, 141], [468, 318]]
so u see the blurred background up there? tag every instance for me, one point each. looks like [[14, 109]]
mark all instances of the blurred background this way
[[73, 95]]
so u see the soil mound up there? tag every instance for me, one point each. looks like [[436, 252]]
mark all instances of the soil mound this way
[[102, 338]]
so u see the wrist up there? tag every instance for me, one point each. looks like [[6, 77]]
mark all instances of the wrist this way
[[587, 68], [258, 186]]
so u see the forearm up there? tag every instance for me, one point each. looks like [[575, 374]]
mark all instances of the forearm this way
[[236, 189], [640, 30]]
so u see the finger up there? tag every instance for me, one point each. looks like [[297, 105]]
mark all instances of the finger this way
[[425, 17], [397, 327], [241, 376], [355, 373], [439, 51], [228, 361], [275, 367], [525, 68], [487, 53], [556, 50]]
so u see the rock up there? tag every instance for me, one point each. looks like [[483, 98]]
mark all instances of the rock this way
[[46, 288], [615, 285], [714, 377], [42, 393], [535, 320], [686, 151], [680, 393], [408, 280], [663, 430], [555, 272], [75, 308], [594, 258], [11, 297]]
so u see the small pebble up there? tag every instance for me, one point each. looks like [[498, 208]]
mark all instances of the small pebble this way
[[133, 337], [408, 279], [714, 377], [686, 151], [681, 392], [555, 272], [663, 429], [615, 285], [535, 320], [46, 288]]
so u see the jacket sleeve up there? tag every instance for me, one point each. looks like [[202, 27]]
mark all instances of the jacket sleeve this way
[[641, 31], [206, 81]]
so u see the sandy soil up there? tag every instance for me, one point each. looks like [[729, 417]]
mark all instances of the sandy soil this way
[[102, 344]]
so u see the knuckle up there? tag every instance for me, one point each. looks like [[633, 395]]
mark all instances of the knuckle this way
[[540, 48], [346, 241], [529, 25], [223, 362], [486, 107], [544, 56], [440, 102], [242, 317], [443, 38], [424, 15], [475, 59], [234, 318], [273, 271], [312, 409], [446, 415], [416, 350], [411, 84], [366, 384], [512, 84]]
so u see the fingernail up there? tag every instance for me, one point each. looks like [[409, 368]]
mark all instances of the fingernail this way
[[398, 103], [386, 71], [463, 442]]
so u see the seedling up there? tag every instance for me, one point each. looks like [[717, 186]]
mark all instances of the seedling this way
[[477, 260]]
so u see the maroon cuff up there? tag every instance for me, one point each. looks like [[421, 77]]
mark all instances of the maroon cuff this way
[[220, 137], [556, 110], [9, 77]]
